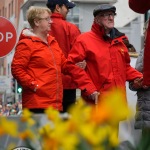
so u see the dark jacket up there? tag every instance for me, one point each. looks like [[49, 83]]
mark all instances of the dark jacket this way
[[142, 116]]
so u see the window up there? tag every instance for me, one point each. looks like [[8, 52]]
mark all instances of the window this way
[[12, 6], [9, 14], [73, 15], [3, 12]]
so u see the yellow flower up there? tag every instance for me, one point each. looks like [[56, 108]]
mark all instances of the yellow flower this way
[[26, 117], [52, 114], [8, 127], [27, 134], [45, 131], [80, 113], [52, 130], [87, 125], [112, 108], [58, 135], [113, 137], [49, 144]]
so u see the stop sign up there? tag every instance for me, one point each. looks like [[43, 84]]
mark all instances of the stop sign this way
[[8, 36]]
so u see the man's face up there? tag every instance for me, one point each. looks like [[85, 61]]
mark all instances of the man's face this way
[[64, 11], [106, 19]]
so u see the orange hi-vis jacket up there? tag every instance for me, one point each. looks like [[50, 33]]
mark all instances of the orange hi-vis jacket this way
[[65, 33], [38, 63]]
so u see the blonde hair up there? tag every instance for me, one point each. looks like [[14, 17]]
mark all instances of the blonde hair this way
[[35, 12]]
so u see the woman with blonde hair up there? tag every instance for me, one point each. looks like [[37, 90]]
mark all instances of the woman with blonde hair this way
[[38, 62]]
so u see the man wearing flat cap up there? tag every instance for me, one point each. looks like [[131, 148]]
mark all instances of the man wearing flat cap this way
[[65, 33], [107, 58]]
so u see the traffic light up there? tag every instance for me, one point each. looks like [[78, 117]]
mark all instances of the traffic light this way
[[13, 86], [19, 88]]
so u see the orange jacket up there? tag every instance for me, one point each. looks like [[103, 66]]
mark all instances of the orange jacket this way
[[38, 63], [108, 62], [141, 6], [65, 34]]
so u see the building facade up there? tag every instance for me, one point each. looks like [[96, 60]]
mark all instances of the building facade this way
[[9, 9]]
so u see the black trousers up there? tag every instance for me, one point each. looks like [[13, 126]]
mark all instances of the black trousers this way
[[69, 98], [37, 111]]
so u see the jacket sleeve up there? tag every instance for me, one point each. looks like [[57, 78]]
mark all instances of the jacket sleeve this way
[[63, 62], [79, 75], [139, 61], [139, 6], [19, 66], [131, 73], [74, 33]]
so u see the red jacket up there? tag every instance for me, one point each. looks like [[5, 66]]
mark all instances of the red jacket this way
[[108, 62], [65, 34], [38, 63], [141, 6]]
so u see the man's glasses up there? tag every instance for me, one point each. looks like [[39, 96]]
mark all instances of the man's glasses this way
[[108, 15]]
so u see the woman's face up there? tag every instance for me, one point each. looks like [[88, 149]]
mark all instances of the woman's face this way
[[44, 22]]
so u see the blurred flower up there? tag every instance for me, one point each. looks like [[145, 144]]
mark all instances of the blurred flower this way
[[52, 114], [27, 117], [88, 127], [8, 127], [27, 134], [112, 108]]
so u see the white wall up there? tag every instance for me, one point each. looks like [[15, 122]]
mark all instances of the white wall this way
[[124, 14], [86, 16]]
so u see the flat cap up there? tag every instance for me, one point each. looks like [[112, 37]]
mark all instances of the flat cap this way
[[103, 8]]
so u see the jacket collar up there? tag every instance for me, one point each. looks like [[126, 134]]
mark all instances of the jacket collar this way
[[115, 35], [57, 15], [28, 34], [98, 30]]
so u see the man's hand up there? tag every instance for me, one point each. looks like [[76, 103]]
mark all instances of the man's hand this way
[[94, 97], [145, 87], [137, 83], [81, 64]]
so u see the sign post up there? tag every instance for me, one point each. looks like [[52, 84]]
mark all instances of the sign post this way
[[8, 36]]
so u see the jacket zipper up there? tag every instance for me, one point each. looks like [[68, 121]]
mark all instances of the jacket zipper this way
[[57, 90]]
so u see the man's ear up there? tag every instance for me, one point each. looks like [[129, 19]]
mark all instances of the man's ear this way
[[57, 8]]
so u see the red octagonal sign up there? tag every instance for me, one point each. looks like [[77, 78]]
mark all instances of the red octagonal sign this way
[[8, 36]]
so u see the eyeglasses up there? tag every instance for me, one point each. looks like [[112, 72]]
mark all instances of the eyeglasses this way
[[106, 16], [47, 19]]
